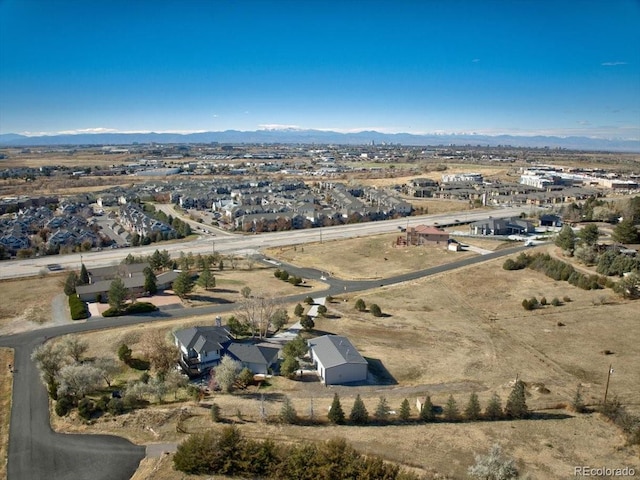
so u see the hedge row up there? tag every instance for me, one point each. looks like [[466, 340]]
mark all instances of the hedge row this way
[[78, 308], [131, 309], [228, 453], [558, 270]]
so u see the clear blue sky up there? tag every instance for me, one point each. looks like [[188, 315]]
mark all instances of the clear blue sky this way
[[519, 67]]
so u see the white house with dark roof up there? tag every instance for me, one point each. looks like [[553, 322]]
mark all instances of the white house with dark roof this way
[[337, 361], [201, 347]]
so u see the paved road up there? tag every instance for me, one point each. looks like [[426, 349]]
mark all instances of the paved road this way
[[240, 242], [36, 452]]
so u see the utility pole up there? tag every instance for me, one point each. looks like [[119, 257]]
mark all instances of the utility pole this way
[[606, 389]]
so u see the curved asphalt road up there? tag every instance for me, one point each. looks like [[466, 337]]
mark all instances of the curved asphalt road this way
[[36, 452]]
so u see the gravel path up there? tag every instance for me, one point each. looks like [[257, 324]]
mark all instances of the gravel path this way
[[60, 310]]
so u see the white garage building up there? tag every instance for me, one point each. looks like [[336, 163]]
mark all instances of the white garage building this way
[[337, 360]]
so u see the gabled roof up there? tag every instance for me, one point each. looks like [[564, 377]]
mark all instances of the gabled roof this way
[[264, 354], [333, 350], [203, 339]]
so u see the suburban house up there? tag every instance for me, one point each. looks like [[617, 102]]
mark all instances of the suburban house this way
[[259, 358], [425, 235], [132, 276], [201, 347], [337, 361], [549, 220], [501, 226]]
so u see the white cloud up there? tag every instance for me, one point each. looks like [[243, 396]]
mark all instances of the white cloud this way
[[612, 64], [475, 60]]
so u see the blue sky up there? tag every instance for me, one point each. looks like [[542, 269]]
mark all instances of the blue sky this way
[[491, 67]]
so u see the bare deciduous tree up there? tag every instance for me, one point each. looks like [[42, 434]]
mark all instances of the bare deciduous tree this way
[[257, 312], [108, 367], [226, 373], [79, 379], [75, 347], [162, 355]]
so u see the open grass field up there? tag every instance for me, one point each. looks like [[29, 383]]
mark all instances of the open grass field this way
[[6, 380], [454, 333]]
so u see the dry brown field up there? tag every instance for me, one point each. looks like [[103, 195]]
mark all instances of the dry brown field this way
[[6, 380], [374, 256], [26, 303], [457, 332]]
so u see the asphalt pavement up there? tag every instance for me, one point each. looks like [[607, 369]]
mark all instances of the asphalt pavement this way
[[36, 452]]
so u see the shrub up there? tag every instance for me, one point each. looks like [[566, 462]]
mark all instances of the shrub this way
[[140, 307], [360, 305], [63, 405], [277, 273], [295, 281], [556, 302], [375, 310], [215, 413], [78, 308], [308, 301], [566, 299], [543, 301], [307, 323], [526, 304], [284, 275], [85, 408], [124, 353], [115, 406]]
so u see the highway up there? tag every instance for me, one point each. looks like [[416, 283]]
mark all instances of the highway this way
[[243, 243]]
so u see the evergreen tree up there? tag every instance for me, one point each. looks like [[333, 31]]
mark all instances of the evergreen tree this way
[[566, 239], [206, 279], [472, 411], [451, 412], [288, 413], [382, 410], [150, 281], [299, 310], [156, 260], [589, 234], [70, 283], [336, 414], [494, 408], [183, 284], [360, 305], [117, 294], [405, 410], [307, 323], [427, 413], [516, 406], [84, 276], [359, 414], [625, 232], [375, 310]]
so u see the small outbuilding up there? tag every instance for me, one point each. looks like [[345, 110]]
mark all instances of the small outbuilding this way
[[337, 361]]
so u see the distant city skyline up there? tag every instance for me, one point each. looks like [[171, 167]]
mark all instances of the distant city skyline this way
[[462, 66]]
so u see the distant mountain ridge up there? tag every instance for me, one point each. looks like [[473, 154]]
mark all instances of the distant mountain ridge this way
[[294, 136]]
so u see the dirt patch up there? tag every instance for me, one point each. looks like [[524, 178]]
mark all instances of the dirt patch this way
[[6, 390]]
